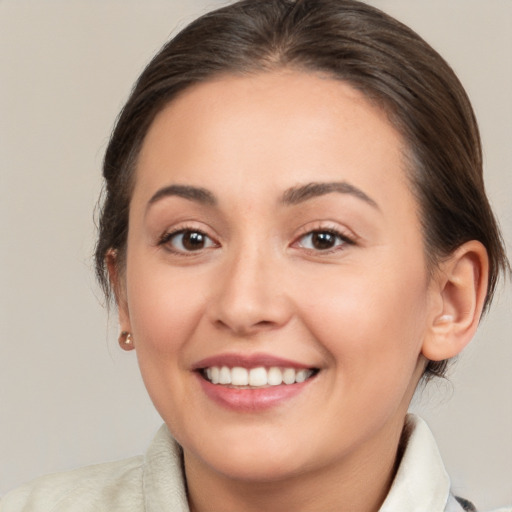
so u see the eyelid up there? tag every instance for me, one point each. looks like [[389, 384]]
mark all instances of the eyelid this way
[[166, 237], [346, 235], [328, 226]]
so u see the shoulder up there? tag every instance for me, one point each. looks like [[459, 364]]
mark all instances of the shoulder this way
[[150, 483], [421, 481], [102, 487]]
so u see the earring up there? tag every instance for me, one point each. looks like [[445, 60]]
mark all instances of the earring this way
[[126, 341]]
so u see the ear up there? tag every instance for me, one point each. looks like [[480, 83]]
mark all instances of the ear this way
[[118, 287], [460, 288]]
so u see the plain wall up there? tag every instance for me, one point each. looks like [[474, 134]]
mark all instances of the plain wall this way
[[68, 395]]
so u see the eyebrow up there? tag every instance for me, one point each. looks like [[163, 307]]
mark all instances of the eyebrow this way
[[197, 194], [292, 196], [299, 194]]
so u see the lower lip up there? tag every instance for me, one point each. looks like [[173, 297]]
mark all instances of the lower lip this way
[[251, 400]]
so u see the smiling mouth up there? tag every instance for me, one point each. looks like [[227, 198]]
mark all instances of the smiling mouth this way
[[256, 378]]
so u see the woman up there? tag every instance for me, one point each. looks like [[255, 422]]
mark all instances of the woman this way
[[296, 234]]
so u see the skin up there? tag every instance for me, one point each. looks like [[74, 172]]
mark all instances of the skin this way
[[364, 312]]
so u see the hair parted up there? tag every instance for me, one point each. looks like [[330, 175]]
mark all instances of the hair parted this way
[[347, 40]]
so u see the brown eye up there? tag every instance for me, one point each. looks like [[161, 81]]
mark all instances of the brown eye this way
[[192, 240], [323, 240], [188, 240]]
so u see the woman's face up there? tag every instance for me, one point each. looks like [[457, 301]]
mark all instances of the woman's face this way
[[273, 235]]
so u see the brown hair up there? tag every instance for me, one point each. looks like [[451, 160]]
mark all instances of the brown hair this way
[[349, 41]]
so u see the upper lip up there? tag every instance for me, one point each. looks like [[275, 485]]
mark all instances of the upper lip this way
[[248, 361]]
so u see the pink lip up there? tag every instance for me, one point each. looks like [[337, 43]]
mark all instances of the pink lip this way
[[248, 361], [251, 400]]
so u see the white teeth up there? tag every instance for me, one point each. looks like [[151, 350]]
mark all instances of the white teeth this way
[[274, 376], [215, 375], [239, 376], [301, 376], [289, 376], [224, 375], [256, 377]]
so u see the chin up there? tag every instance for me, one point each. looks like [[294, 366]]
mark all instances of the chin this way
[[254, 458], [263, 469]]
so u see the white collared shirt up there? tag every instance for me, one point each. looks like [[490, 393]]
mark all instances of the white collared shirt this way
[[155, 482]]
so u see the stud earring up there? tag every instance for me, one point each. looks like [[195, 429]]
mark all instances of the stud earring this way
[[126, 341]]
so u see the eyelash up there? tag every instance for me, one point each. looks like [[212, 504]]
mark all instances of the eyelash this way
[[167, 238], [341, 238]]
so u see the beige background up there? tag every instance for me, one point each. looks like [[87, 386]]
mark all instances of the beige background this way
[[68, 395]]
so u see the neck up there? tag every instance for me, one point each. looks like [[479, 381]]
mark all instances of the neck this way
[[359, 482]]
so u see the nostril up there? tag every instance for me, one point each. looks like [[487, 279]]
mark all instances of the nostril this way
[[265, 323], [246, 329]]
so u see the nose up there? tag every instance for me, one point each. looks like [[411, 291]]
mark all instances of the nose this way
[[249, 295]]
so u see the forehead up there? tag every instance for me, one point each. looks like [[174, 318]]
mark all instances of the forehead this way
[[276, 129]]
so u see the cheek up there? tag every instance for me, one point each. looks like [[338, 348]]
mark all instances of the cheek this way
[[164, 306], [369, 319], [164, 311], [372, 335]]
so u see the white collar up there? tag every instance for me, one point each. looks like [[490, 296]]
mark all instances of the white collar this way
[[420, 485]]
